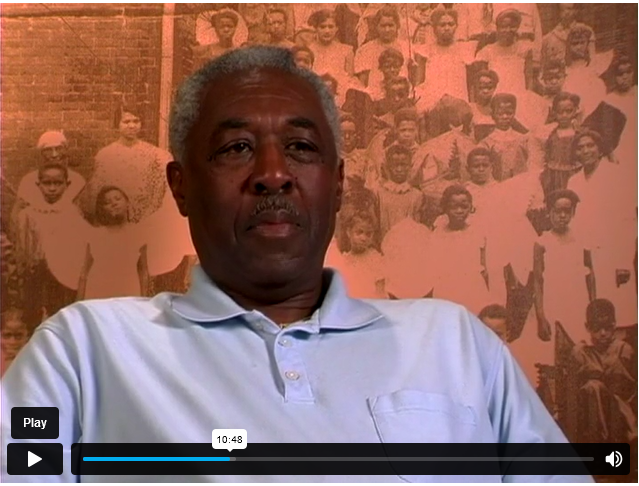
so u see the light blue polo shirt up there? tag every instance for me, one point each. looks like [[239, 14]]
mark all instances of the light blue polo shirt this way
[[174, 367]]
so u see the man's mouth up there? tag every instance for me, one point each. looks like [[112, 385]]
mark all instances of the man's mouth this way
[[275, 224]]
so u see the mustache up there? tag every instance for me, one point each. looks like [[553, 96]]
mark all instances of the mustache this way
[[273, 203]]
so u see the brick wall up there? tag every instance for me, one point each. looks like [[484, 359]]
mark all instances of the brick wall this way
[[67, 67]]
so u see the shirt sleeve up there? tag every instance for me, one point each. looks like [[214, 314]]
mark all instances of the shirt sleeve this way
[[44, 374], [519, 416]]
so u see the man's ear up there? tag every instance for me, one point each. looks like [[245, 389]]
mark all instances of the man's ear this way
[[340, 183], [175, 174]]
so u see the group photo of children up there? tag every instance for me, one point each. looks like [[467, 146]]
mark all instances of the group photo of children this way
[[490, 157]]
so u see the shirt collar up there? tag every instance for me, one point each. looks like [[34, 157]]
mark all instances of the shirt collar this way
[[206, 302]]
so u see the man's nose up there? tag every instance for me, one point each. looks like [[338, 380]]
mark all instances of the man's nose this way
[[271, 172]]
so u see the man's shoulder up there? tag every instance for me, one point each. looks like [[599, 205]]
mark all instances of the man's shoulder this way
[[108, 316]]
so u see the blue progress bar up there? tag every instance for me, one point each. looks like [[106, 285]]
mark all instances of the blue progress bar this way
[[155, 459]]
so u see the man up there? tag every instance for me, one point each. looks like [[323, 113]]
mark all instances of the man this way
[[266, 339]]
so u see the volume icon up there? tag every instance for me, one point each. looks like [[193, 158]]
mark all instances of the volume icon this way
[[614, 458]]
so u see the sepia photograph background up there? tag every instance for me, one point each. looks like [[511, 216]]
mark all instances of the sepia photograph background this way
[[490, 155]]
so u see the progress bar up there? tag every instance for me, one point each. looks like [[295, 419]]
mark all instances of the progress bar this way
[[335, 459]]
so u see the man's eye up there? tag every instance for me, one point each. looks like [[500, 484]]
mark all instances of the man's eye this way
[[238, 148], [233, 151], [300, 146]]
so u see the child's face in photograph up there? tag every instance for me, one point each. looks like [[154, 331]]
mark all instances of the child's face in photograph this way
[[458, 209], [561, 214], [579, 47], [387, 30], [485, 89], [130, 126], [602, 333], [480, 169], [115, 205], [445, 29], [360, 236], [14, 336], [349, 136], [390, 68], [224, 28], [504, 115], [566, 111], [397, 93], [506, 31], [327, 30], [52, 183], [553, 80], [625, 77], [407, 132], [303, 60], [398, 168]]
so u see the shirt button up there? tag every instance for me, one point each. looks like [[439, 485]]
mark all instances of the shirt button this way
[[292, 375], [285, 342]]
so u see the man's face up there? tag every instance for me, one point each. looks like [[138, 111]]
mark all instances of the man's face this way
[[579, 47], [14, 337], [506, 31], [224, 28], [349, 136], [458, 209], [625, 77], [387, 30], [56, 154], [480, 169], [587, 151], [407, 132], [52, 183], [503, 115], [398, 168], [262, 183], [554, 80], [130, 126], [445, 30], [561, 213], [327, 30], [485, 89], [567, 13], [276, 24]]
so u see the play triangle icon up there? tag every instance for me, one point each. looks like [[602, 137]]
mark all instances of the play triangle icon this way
[[32, 459]]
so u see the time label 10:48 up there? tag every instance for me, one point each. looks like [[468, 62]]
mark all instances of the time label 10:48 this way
[[229, 439]]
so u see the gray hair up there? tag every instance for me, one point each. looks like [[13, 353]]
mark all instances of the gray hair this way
[[187, 104]]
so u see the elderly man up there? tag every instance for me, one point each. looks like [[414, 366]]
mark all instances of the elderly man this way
[[267, 339]]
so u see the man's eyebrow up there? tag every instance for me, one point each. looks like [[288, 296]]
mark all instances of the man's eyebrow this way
[[303, 122], [231, 123]]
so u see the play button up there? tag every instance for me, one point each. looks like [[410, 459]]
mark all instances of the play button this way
[[32, 459]]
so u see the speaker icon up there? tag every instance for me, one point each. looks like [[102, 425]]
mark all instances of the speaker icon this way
[[614, 458]]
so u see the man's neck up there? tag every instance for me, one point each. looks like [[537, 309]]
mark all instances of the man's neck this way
[[281, 305]]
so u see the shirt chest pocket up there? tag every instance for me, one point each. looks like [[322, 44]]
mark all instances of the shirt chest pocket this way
[[412, 416]]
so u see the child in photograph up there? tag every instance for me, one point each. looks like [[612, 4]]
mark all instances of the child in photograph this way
[[511, 149], [331, 56], [115, 262], [397, 198], [563, 276], [459, 253], [606, 372], [51, 240], [14, 334], [362, 264]]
